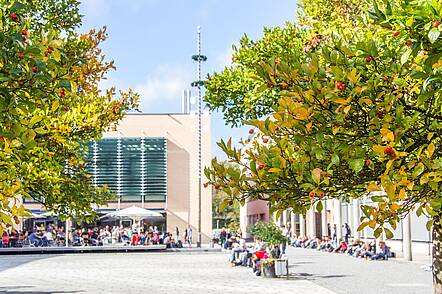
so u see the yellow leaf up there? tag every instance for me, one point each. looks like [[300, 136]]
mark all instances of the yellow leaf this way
[[379, 149], [353, 76], [387, 135], [394, 206], [342, 101], [402, 194], [366, 101], [410, 185], [373, 187], [372, 224], [347, 109], [335, 130], [274, 170], [430, 149], [316, 175]]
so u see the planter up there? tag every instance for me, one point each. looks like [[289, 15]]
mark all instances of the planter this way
[[268, 270]]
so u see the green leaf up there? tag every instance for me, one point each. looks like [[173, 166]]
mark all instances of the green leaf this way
[[433, 35], [356, 164], [319, 206], [429, 224], [406, 55], [28, 136], [388, 233]]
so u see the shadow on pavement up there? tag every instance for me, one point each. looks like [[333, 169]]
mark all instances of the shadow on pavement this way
[[26, 290], [308, 276], [10, 261]]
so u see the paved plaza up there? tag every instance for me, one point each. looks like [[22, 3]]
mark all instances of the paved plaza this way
[[312, 272]]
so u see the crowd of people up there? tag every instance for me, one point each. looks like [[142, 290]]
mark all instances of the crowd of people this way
[[53, 235], [356, 248]]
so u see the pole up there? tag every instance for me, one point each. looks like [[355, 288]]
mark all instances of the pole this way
[[199, 83], [324, 228], [198, 244], [406, 238]]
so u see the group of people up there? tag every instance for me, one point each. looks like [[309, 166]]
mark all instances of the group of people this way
[[53, 235], [251, 256], [356, 248]]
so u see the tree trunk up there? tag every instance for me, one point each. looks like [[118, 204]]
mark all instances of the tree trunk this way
[[437, 258]]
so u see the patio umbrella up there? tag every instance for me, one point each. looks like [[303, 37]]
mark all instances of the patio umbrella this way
[[134, 212]]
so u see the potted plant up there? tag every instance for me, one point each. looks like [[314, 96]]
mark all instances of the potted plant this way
[[272, 236]]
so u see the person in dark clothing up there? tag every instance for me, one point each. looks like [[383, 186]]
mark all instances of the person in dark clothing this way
[[347, 232]]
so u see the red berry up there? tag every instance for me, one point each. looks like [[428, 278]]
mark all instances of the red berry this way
[[369, 59], [265, 139], [50, 49], [251, 131], [321, 194], [340, 86], [13, 16], [312, 194], [436, 23], [408, 43], [24, 32], [206, 185], [385, 78], [389, 151], [260, 166], [34, 68], [62, 92], [396, 33]]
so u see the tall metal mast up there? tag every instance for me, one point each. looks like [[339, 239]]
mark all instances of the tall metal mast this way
[[199, 84]]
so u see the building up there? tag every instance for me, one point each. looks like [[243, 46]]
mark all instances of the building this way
[[151, 161]]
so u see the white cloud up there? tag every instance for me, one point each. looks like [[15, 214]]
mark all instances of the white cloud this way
[[163, 85]]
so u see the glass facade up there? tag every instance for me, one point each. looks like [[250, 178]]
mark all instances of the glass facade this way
[[132, 167]]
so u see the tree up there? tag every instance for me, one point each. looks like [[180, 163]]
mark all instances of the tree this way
[[357, 108], [225, 209], [50, 106]]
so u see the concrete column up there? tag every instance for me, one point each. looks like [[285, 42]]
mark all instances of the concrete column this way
[[301, 225], [406, 238], [350, 215], [284, 218], [275, 219], [311, 222], [324, 230], [337, 218], [356, 217], [292, 224]]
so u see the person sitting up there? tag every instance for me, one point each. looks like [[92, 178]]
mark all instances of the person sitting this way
[[342, 247], [367, 251], [256, 258], [85, 236], [237, 248], [34, 240], [48, 238], [134, 239], [353, 246], [384, 254]]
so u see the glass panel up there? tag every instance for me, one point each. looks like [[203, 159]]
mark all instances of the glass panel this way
[[142, 163]]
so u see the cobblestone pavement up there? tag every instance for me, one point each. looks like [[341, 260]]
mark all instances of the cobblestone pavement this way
[[345, 274], [138, 273], [311, 272]]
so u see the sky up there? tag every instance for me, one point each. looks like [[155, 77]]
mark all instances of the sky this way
[[152, 41]]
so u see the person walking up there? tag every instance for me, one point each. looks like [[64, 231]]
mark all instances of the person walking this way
[[177, 234], [189, 235]]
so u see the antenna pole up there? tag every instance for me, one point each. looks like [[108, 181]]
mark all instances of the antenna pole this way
[[199, 84]]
